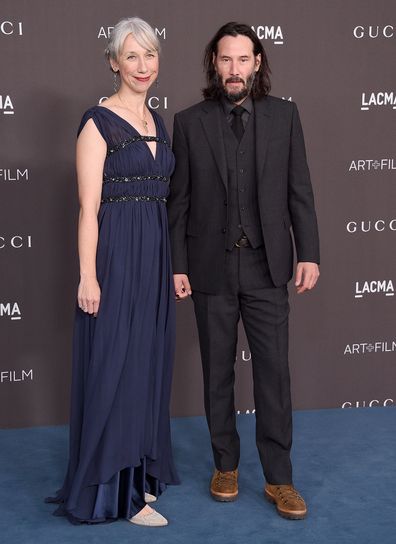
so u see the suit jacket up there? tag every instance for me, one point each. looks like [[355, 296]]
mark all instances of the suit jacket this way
[[197, 205]]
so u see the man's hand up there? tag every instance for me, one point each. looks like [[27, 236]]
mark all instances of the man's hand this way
[[307, 275], [182, 286]]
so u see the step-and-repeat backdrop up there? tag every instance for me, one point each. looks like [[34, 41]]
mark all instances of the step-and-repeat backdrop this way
[[336, 60]]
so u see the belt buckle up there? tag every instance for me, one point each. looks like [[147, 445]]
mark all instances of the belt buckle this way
[[242, 242]]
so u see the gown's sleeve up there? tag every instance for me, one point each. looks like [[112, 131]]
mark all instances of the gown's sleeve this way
[[97, 119]]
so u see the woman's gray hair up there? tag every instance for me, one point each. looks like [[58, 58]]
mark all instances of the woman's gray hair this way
[[142, 32]]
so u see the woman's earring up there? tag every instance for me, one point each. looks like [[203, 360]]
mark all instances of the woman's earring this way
[[116, 85], [157, 82]]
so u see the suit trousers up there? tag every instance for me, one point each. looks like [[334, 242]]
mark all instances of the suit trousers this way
[[248, 293]]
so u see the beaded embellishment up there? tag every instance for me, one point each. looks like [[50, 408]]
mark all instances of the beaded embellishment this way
[[139, 138], [110, 179], [128, 198]]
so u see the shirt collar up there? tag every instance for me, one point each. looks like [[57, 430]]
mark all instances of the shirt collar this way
[[229, 106]]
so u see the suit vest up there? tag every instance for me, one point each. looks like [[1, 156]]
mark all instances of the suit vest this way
[[243, 215]]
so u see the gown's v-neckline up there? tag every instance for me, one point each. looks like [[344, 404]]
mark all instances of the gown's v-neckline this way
[[130, 126]]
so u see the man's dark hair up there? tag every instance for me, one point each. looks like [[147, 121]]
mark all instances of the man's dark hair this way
[[261, 85]]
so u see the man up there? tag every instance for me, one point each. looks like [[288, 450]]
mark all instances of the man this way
[[241, 181]]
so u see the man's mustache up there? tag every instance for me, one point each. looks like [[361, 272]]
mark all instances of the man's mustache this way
[[235, 79]]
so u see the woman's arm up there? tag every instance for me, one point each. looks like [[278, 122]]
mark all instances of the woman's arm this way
[[90, 157]]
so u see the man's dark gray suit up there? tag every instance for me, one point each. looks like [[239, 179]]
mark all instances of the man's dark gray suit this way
[[221, 190]]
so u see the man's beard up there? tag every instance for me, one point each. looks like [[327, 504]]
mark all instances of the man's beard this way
[[237, 96]]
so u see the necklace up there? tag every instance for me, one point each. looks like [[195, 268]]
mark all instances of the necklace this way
[[142, 121]]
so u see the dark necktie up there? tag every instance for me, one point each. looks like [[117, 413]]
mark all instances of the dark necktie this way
[[236, 123]]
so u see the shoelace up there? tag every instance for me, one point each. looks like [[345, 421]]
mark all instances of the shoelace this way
[[224, 477], [288, 493]]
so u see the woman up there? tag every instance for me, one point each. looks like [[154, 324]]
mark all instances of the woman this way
[[120, 447]]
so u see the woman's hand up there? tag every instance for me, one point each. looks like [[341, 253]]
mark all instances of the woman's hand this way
[[89, 295], [182, 286]]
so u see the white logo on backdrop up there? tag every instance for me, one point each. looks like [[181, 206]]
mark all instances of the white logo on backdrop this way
[[14, 174], [379, 99], [16, 242], [156, 102], [374, 287], [10, 310], [364, 348], [153, 102], [6, 105], [367, 404], [245, 356], [7, 376], [373, 32], [369, 165], [246, 412], [8, 28], [105, 31], [273, 33], [378, 225]]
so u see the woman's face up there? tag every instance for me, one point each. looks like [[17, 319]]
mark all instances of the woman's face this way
[[138, 66]]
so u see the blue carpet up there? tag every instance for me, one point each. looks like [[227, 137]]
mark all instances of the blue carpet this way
[[344, 465]]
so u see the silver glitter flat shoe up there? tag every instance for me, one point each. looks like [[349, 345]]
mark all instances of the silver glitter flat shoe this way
[[149, 498], [154, 519]]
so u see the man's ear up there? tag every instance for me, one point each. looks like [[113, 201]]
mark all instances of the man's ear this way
[[257, 62]]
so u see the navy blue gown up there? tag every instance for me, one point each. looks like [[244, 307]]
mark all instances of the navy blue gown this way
[[120, 444]]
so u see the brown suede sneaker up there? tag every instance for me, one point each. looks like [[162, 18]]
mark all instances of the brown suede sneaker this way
[[224, 485], [288, 501]]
